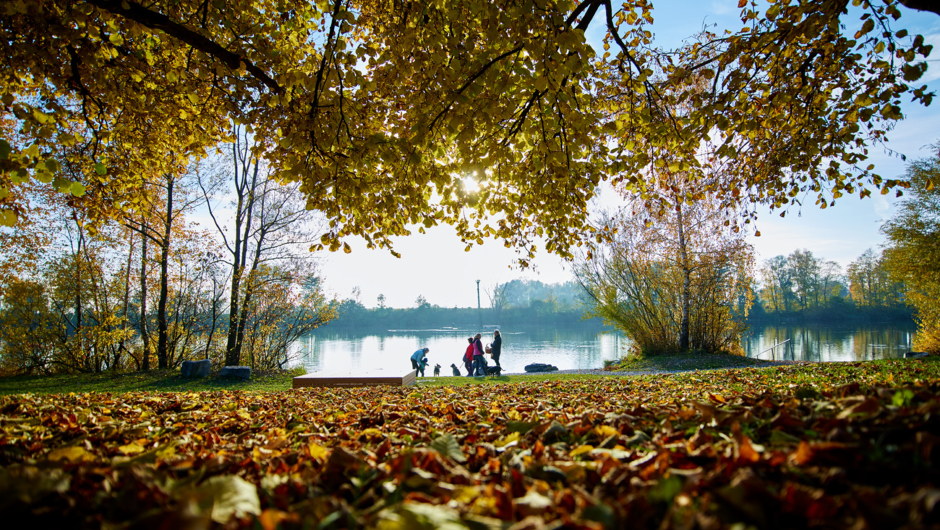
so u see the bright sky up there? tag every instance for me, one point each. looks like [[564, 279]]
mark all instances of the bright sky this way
[[435, 265]]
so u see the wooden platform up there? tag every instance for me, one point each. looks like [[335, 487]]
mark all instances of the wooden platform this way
[[358, 378]]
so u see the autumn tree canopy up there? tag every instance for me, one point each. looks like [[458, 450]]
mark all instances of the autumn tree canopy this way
[[381, 108], [912, 255]]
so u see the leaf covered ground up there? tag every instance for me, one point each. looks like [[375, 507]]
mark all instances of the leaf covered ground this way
[[824, 445]]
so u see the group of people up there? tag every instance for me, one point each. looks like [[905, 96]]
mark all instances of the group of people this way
[[473, 358]]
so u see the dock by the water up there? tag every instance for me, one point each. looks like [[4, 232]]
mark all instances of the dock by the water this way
[[357, 378]]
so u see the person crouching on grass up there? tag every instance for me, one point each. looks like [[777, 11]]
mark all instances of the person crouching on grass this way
[[418, 361]]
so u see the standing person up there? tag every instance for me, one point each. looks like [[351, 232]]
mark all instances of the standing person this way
[[468, 357], [496, 347], [418, 362], [479, 364]]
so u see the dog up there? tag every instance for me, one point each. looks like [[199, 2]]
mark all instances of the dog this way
[[456, 371], [437, 370]]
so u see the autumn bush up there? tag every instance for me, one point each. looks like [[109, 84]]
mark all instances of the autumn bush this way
[[674, 279], [927, 340], [27, 328]]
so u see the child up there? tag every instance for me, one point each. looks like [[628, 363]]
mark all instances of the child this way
[[419, 361]]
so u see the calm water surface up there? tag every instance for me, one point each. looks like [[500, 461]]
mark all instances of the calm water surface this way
[[326, 350], [830, 343]]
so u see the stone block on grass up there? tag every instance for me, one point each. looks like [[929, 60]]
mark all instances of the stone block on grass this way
[[196, 368]]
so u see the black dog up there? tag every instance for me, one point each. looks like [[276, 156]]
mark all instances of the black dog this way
[[437, 370], [492, 370], [456, 371]]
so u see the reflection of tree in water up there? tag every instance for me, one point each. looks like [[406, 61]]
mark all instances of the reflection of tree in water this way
[[882, 343], [829, 344], [811, 349], [310, 354], [862, 345]]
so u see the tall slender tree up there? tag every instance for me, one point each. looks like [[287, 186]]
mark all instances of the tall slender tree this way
[[268, 223]]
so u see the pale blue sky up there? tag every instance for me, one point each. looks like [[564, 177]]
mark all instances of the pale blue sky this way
[[435, 265]]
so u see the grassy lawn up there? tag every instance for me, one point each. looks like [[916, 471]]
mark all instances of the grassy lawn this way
[[152, 381], [170, 380]]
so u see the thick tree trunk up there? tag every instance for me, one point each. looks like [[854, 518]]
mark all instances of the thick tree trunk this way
[[215, 316], [162, 331], [232, 347], [78, 297], [145, 337]]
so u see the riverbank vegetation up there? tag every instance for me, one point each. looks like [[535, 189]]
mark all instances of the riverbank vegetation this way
[[150, 288], [825, 444]]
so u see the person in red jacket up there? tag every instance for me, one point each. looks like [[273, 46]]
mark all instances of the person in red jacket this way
[[468, 357]]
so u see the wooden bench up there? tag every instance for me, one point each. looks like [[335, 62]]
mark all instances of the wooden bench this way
[[354, 379]]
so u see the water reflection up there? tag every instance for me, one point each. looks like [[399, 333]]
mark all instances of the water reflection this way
[[829, 343], [326, 350], [565, 349]]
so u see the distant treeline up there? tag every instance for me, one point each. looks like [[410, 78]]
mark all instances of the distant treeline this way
[[803, 288], [515, 303], [797, 289]]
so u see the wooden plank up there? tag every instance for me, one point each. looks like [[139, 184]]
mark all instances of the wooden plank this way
[[355, 379]]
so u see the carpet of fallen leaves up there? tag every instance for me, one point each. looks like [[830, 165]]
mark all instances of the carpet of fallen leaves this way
[[788, 447]]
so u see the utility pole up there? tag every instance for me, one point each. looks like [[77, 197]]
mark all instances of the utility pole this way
[[479, 308]]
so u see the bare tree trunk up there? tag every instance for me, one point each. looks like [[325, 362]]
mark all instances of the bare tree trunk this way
[[686, 281], [246, 300], [162, 353], [243, 212]]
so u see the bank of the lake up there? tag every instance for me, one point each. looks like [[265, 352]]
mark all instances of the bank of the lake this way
[[170, 381]]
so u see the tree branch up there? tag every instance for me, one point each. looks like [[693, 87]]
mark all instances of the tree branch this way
[[922, 5], [154, 20]]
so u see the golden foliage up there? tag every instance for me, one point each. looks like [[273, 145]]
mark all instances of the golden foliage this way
[[380, 109]]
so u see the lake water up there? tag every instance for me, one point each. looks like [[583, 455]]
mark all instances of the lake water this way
[[328, 350], [830, 343]]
